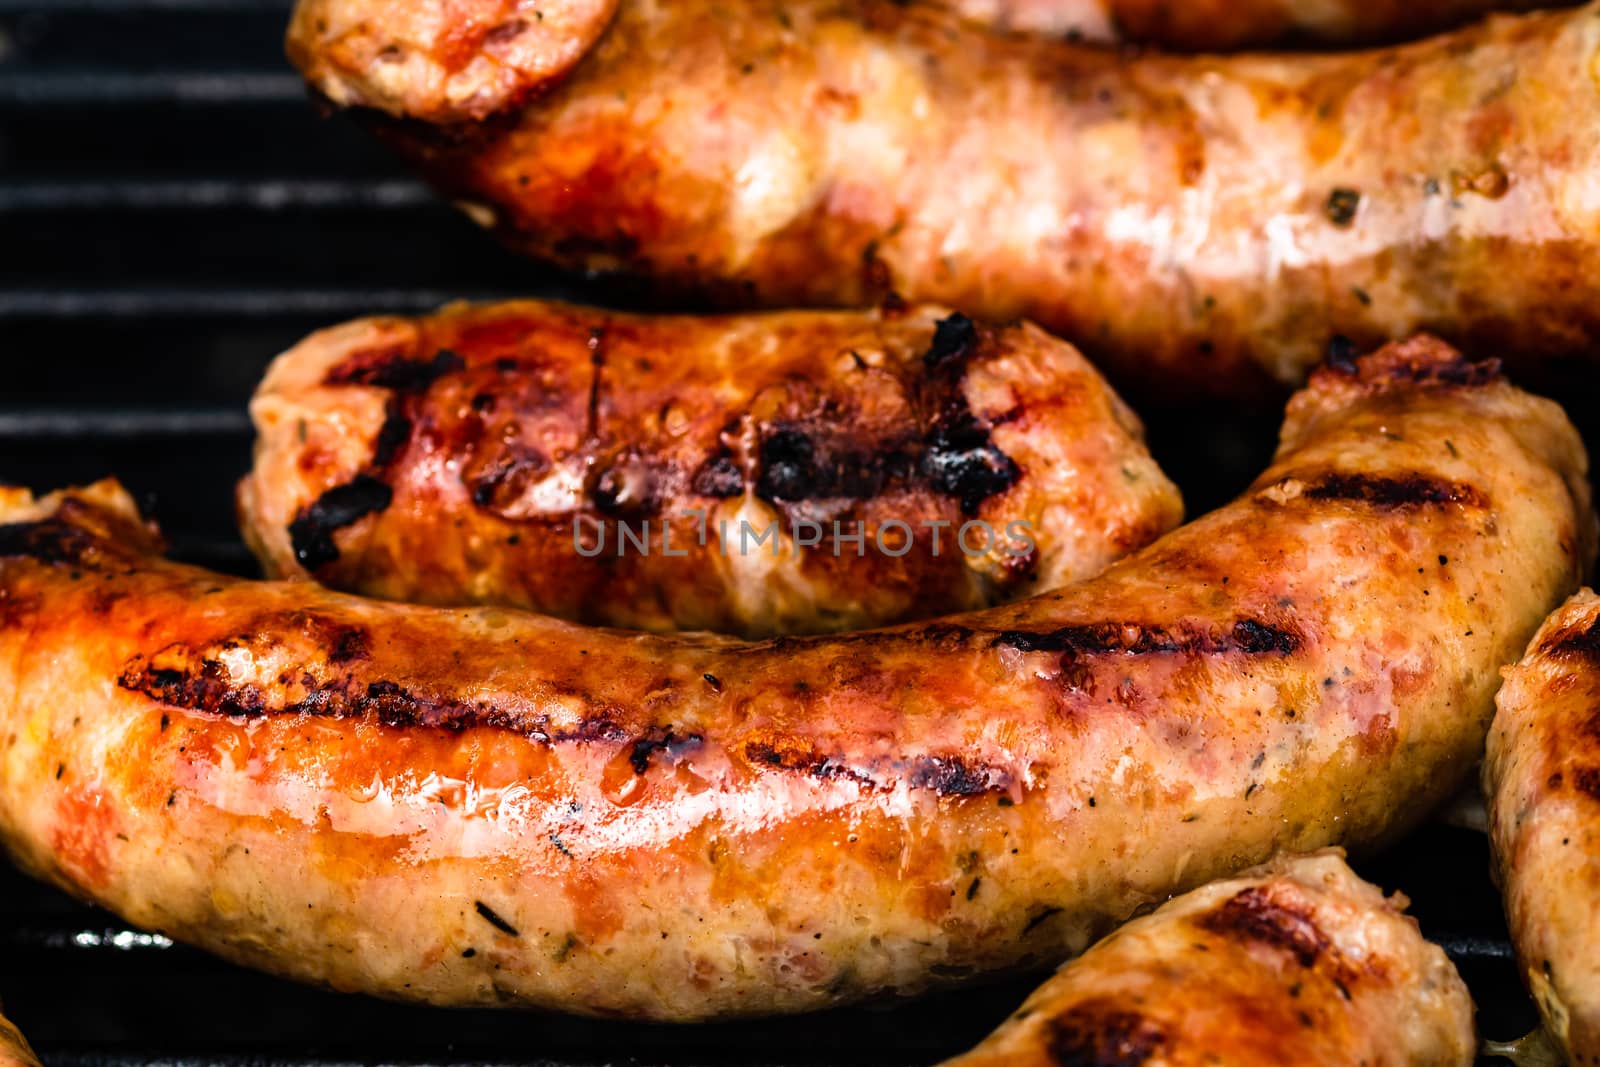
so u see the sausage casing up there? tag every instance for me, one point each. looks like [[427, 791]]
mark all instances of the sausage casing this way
[[1191, 223], [1298, 962], [1542, 780], [752, 474], [477, 806], [1225, 25], [14, 1050]]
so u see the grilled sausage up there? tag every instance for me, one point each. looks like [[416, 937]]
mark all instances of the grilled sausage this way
[[1542, 780], [1191, 223], [1298, 962], [758, 474], [1225, 25], [475, 806], [14, 1050]]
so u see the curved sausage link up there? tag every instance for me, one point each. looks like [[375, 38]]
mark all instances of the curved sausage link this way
[[14, 1050], [757, 474], [1542, 779], [1190, 222], [1227, 25], [1297, 962], [475, 806]]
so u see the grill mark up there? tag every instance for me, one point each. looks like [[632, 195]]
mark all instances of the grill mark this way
[[1247, 636], [799, 465], [311, 531], [201, 683], [1421, 361], [1255, 915], [392, 370], [1580, 643], [1410, 491], [181, 677], [945, 776], [1097, 1033]]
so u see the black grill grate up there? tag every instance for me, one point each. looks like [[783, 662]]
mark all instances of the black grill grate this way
[[172, 214]]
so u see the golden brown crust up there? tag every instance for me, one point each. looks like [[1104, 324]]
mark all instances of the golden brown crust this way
[[1190, 222], [1542, 779], [477, 807], [665, 472], [1298, 962], [1229, 25]]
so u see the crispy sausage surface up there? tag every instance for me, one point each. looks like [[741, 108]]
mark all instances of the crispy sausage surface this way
[[14, 1050], [476, 806], [1300, 962], [1542, 780], [1223, 25], [755, 474], [1190, 222]]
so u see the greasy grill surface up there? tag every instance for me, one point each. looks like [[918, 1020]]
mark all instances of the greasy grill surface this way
[[173, 214]]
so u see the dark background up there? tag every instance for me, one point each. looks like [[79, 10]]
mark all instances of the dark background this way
[[173, 213]]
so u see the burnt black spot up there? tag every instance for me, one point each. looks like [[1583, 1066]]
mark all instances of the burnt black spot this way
[[311, 532], [788, 467], [1342, 206], [1254, 914], [504, 482], [1407, 491], [1257, 638], [392, 436], [397, 372], [1587, 780], [796, 465], [954, 338], [1249, 636], [1098, 1033], [961, 460], [50, 541], [494, 920], [718, 476], [952, 776], [661, 739]]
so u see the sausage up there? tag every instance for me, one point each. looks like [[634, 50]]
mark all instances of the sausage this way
[[14, 1050], [1299, 961], [1197, 225], [758, 474], [1226, 25], [476, 806], [1542, 781]]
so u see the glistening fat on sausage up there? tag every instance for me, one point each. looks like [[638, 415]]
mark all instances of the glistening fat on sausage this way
[[1192, 223], [477, 806]]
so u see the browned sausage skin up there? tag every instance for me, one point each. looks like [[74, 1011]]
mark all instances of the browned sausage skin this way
[[1299, 962], [1225, 25], [14, 1050], [475, 806], [1189, 222], [753, 474], [1542, 779]]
